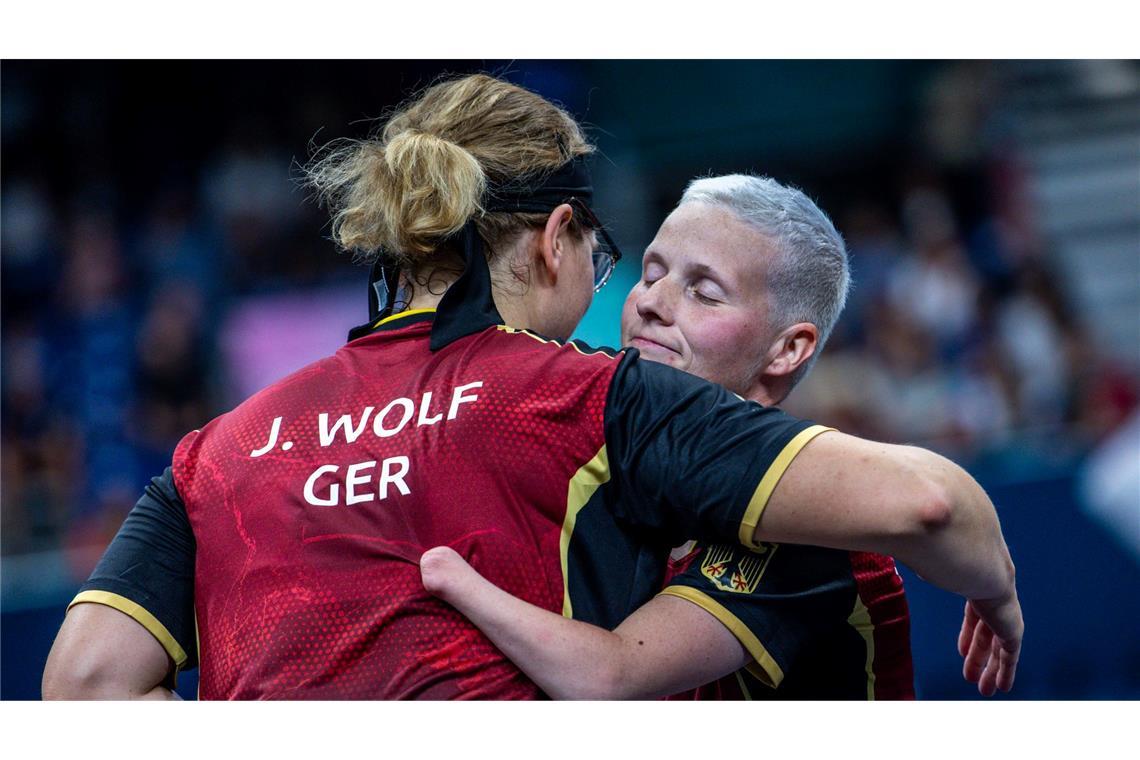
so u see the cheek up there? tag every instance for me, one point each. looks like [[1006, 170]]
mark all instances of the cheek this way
[[722, 343], [584, 286], [587, 279], [576, 310]]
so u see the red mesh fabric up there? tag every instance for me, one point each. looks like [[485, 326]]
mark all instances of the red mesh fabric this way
[[299, 600]]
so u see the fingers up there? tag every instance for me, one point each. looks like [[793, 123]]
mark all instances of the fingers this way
[[975, 658], [1002, 667], [978, 654], [1008, 655], [987, 684], [996, 642], [966, 635]]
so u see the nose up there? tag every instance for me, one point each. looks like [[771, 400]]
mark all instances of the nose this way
[[655, 302]]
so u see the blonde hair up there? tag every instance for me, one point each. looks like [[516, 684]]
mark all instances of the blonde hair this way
[[422, 176]]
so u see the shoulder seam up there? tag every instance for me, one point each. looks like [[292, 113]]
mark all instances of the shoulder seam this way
[[577, 345]]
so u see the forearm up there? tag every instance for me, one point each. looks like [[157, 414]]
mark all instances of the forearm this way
[[665, 647], [847, 493], [568, 659]]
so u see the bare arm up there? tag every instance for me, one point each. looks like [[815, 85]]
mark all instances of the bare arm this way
[[104, 653], [101, 653], [667, 646], [849, 493]]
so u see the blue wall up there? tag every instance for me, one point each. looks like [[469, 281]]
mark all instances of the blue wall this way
[[1080, 593]]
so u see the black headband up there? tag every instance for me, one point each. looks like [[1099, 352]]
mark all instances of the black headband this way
[[571, 180]]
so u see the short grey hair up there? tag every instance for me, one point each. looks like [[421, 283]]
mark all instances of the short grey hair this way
[[808, 279]]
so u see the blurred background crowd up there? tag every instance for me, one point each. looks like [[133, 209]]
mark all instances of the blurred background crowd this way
[[160, 263]]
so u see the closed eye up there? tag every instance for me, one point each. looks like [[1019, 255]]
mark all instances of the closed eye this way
[[707, 291], [703, 298], [653, 272]]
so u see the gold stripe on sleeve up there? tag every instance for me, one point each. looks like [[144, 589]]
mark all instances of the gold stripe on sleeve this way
[[768, 483], [140, 616], [763, 666], [582, 486]]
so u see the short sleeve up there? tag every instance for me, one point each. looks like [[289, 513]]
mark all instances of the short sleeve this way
[[148, 571], [779, 600], [688, 459]]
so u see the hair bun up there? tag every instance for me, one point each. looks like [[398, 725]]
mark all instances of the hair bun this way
[[435, 188], [424, 174]]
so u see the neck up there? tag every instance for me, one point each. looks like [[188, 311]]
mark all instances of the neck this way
[[513, 310], [768, 391], [428, 286]]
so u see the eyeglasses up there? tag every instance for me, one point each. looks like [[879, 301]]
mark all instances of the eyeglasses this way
[[606, 255]]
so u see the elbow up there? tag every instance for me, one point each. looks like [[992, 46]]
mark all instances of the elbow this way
[[921, 520], [912, 498], [78, 678], [930, 504], [934, 510], [63, 683], [606, 676], [612, 682], [922, 511], [602, 681]]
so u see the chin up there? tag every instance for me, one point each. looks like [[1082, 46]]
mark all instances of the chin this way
[[660, 355]]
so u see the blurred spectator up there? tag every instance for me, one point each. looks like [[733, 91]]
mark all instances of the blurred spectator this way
[[171, 373], [957, 104], [1031, 336], [248, 189], [874, 247], [40, 445], [95, 346], [934, 286], [175, 244], [30, 267]]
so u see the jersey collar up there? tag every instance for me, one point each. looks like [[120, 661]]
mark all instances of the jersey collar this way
[[467, 307], [393, 322]]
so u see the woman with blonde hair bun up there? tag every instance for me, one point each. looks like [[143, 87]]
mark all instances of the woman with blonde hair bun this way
[[473, 163], [280, 551]]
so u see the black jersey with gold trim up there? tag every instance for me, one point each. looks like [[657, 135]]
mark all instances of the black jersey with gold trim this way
[[148, 572], [818, 623], [562, 473], [671, 443]]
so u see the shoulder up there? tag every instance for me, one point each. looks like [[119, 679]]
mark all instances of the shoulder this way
[[529, 338], [535, 360]]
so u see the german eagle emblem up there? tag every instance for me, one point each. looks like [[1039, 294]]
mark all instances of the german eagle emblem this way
[[732, 569]]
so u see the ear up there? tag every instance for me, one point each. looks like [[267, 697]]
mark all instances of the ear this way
[[552, 247], [791, 349]]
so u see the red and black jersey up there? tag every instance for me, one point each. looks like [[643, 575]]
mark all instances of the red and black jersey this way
[[563, 474], [818, 623]]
